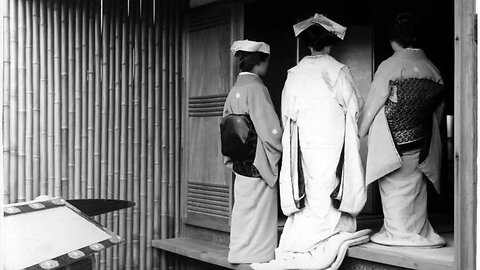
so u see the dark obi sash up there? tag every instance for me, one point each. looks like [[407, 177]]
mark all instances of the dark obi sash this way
[[409, 110]]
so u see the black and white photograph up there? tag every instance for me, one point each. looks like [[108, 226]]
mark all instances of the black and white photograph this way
[[239, 134]]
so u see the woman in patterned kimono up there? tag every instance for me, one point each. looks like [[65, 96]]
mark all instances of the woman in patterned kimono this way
[[253, 233], [405, 151], [321, 98]]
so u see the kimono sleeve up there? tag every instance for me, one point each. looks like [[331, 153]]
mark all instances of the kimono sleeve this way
[[264, 118], [348, 92]]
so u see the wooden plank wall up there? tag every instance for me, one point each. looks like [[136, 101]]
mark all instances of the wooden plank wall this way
[[91, 109]]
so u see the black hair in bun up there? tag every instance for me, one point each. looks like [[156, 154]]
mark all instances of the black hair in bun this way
[[318, 37], [404, 31], [248, 60]]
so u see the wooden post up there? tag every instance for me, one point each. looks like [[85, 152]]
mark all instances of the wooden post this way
[[466, 135]]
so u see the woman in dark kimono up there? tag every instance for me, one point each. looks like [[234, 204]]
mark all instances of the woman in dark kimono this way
[[253, 233]]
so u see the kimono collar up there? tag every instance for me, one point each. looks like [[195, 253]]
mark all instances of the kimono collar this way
[[410, 53], [247, 73], [248, 77]]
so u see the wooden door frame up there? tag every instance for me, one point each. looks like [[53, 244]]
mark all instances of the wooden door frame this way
[[236, 24], [465, 138]]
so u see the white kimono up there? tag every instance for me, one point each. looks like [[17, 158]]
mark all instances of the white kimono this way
[[321, 98]]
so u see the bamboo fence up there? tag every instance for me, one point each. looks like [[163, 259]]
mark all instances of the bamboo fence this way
[[91, 109]]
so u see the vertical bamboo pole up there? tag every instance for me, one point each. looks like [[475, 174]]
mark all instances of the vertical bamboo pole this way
[[105, 111], [21, 73], [57, 100], [157, 126], [165, 166], [171, 123], [36, 98], [13, 177], [78, 102], [98, 110], [98, 101], [90, 99], [136, 148], [111, 116], [6, 103], [71, 100], [150, 144], [143, 144], [64, 89], [84, 98], [178, 114], [130, 151], [50, 102], [43, 99], [28, 104], [123, 135], [116, 183]]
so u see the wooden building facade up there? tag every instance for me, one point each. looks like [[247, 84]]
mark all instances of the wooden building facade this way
[[122, 99]]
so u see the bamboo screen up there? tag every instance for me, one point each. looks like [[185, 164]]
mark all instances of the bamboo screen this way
[[91, 109]]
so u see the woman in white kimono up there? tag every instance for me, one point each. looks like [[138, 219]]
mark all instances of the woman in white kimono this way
[[253, 233], [403, 157], [321, 98]]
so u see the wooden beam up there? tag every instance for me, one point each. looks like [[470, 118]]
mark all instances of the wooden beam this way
[[465, 135]]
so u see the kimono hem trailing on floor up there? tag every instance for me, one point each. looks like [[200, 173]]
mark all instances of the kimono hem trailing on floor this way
[[321, 98]]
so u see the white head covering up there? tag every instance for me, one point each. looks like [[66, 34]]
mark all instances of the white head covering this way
[[323, 21], [250, 46]]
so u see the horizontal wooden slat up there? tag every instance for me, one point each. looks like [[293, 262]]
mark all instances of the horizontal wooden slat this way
[[207, 212], [208, 193], [207, 186], [208, 207], [206, 106], [213, 202]]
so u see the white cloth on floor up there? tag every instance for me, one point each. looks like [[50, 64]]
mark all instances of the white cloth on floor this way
[[327, 255], [404, 200], [253, 233]]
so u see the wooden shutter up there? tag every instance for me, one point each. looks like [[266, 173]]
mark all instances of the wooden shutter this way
[[210, 72]]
